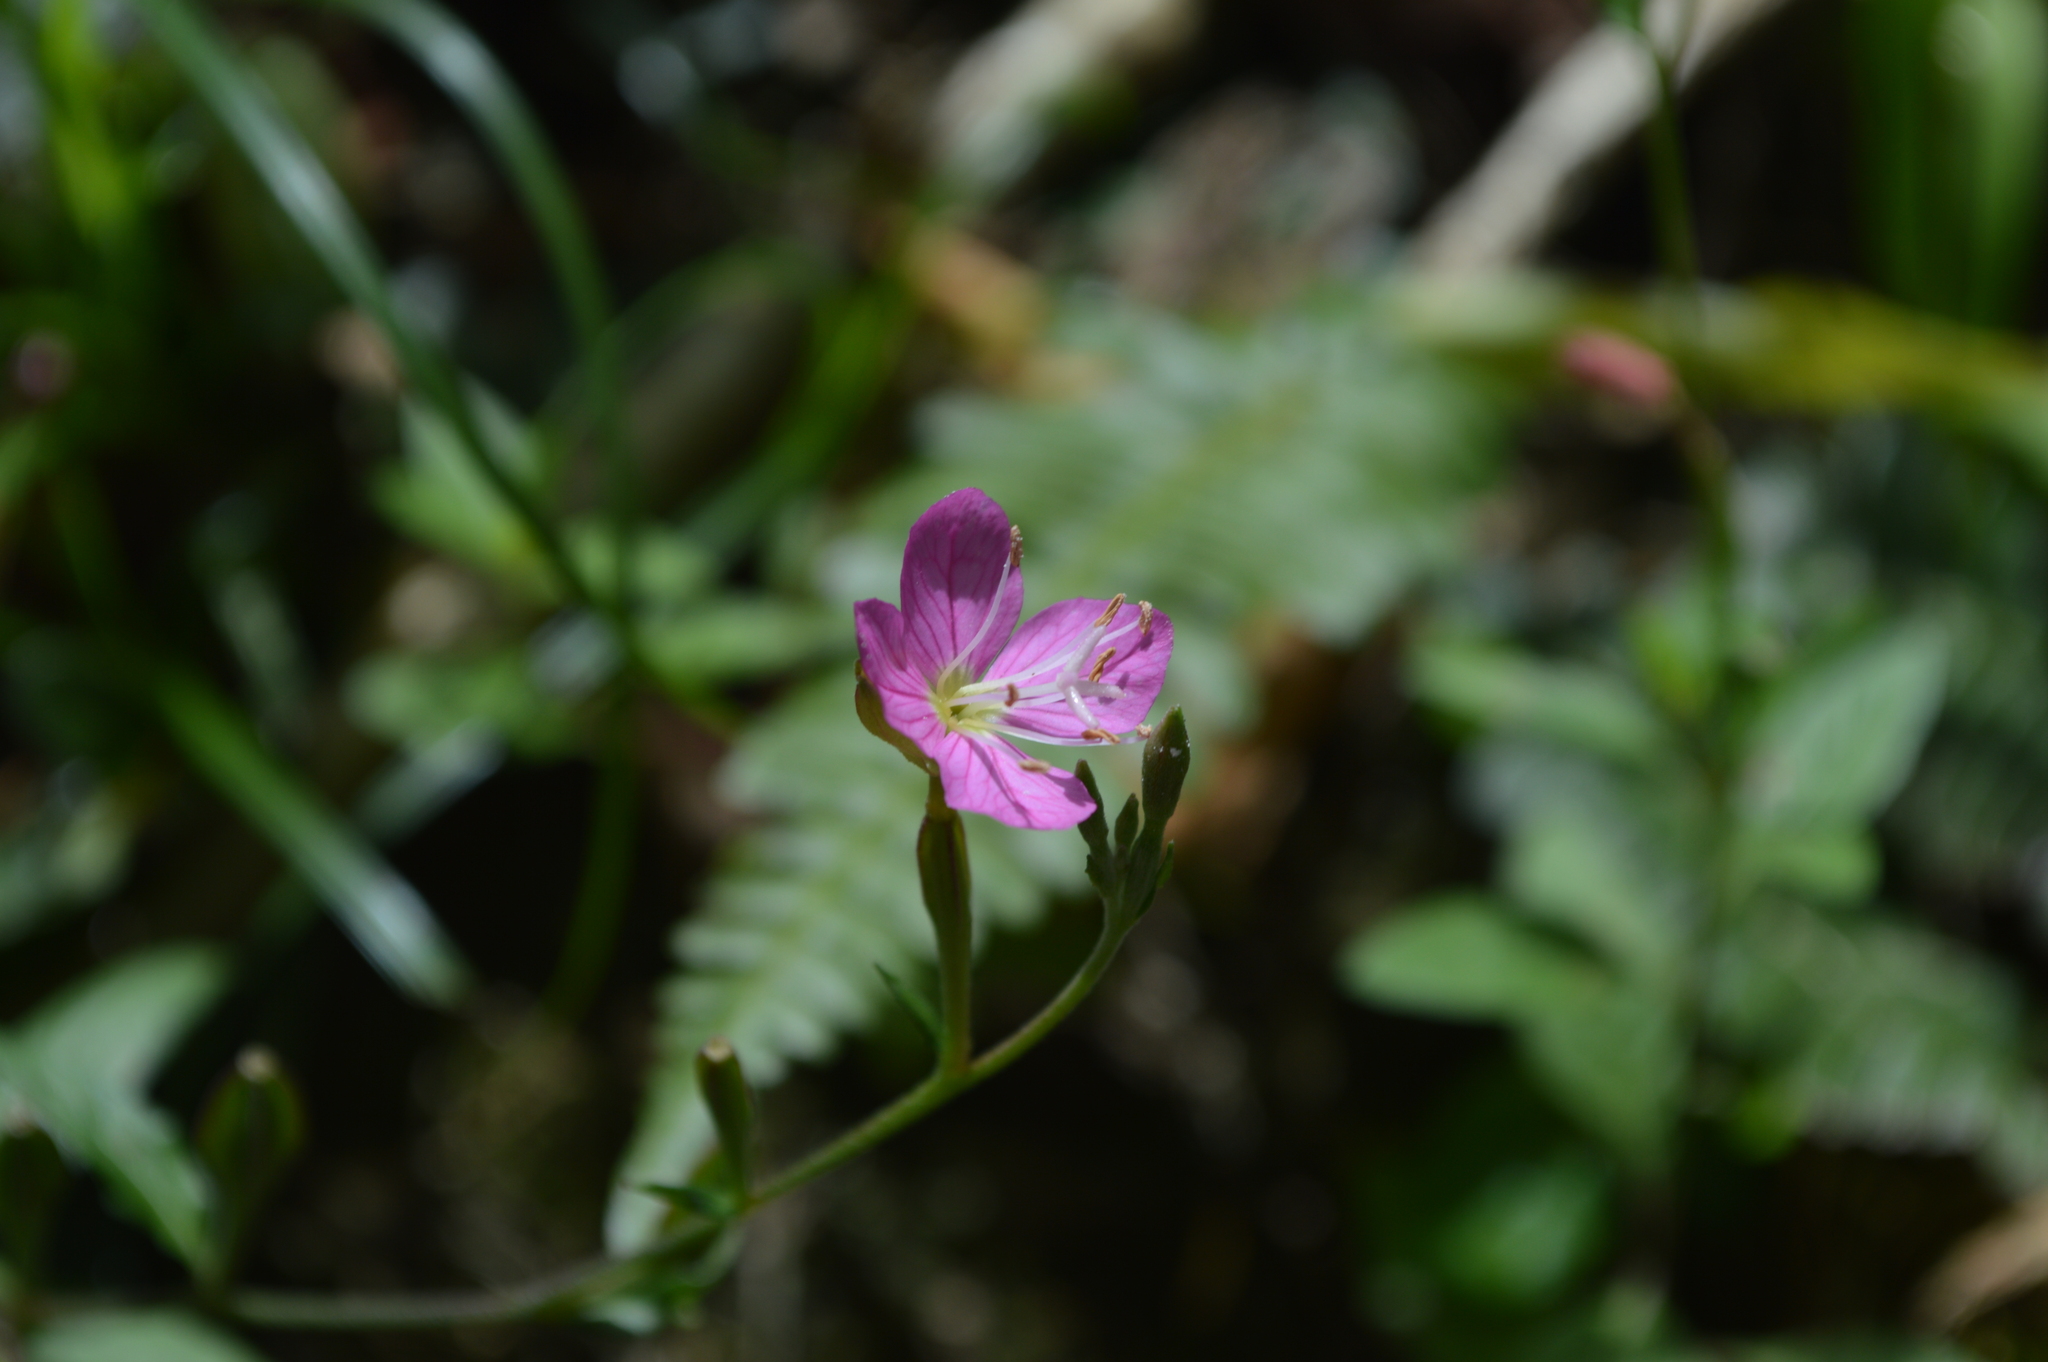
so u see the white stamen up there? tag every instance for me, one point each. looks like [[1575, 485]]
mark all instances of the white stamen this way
[[1013, 558]]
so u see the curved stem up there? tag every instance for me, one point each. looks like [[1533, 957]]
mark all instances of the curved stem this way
[[564, 1293]]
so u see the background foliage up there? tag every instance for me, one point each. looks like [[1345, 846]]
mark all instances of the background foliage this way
[[438, 453]]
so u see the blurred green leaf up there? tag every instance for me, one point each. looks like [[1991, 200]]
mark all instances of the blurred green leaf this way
[[437, 495], [1464, 956], [380, 910], [136, 1336], [1591, 870], [247, 1134], [1508, 690], [81, 1063], [68, 851], [1526, 1232], [1617, 1061], [1826, 865], [740, 637], [1950, 120], [1835, 741], [451, 53], [415, 700]]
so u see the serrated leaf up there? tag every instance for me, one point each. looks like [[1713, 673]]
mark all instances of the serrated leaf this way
[[1835, 742], [136, 1335], [82, 1062]]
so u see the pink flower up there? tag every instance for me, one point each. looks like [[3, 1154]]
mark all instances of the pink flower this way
[[954, 681]]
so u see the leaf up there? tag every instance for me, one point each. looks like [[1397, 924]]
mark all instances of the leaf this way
[[439, 496], [135, 1336], [1527, 1231], [780, 958], [1615, 1060], [70, 850], [739, 638], [1592, 870], [1506, 690], [82, 1063], [382, 913], [1836, 741], [415, 700], [1464, 956], [1882, 1035]]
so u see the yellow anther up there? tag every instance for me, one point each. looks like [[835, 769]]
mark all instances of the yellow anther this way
[[1035, 766], [1095, 672], [1116, 603], [1099, 735]]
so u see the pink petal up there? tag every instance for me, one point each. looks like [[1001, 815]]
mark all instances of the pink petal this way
[[906, 696], [986, 775], [951, 569], [1139, 667]]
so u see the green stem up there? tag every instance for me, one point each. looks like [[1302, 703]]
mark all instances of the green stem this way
[[943, 872], [607, 872], [1670, 196], [565, 1293]]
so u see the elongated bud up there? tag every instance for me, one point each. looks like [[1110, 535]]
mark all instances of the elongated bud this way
[[32, 1178], [867, 703], [1165, 768], [248, 1133], [724, 1085], [1619, 368]]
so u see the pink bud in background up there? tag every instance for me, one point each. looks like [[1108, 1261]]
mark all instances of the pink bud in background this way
[[1617, 367]]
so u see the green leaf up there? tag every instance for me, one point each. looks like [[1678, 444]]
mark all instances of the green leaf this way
[[382, 913], [1834, 742], [1464, 956], [1506, 690], [1826, 865], [1527, 1231], [438, 494], [135, 1336], [70, 850], [781, 956], [1615, 1059], [1593, 871], [1913, 1044], [81, 1063], [415, 700]]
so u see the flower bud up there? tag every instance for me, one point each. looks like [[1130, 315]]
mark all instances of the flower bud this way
[[248, 1133], [724, 1085], [1165, 768], [1619, 368]]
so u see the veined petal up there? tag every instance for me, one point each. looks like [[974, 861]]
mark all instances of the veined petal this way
[[878, 631], [1050, 639], [987, 775], [953, 576]]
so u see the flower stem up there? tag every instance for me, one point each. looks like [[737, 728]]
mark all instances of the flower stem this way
[[563, 1294], [947, 881], [607, 870]]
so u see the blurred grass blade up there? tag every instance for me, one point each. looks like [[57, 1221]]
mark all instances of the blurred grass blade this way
[[860, 337], [472, 77], [384, 914], [310, 198]]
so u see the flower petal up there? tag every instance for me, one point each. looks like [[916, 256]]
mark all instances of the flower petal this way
[[952, 574], [1051, 635], [987, 775], [906, 695]]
